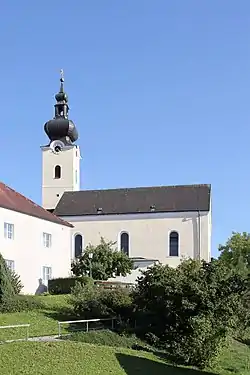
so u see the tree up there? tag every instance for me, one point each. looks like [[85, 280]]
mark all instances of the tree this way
[[235, 254], [16, 282], [6, 288], [190, 310], [106, 262]]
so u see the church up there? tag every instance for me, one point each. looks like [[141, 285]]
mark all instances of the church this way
[[150, 224]]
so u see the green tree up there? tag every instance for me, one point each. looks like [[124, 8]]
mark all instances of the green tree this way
[[16, 282], [6, 288], [190, 310], [106, 262], [235, 254]]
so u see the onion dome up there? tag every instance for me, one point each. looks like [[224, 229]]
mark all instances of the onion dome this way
[[60, 127]]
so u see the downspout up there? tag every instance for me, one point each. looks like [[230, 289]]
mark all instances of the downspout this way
[[199, 226], [199, 235]]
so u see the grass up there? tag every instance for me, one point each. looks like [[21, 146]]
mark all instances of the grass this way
[[69, 358], [42, 322], [76, 358], [109, 338], [81, 357]]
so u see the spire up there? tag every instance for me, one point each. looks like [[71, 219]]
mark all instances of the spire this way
[[61, 107], [60, 127]]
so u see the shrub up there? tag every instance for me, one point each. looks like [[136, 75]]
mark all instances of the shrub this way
[[64, 285], [6, 288], [95, 302], [108, 338], [16, 282], [190, 310], [20, 303]]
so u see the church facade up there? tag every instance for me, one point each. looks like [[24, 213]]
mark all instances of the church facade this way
[[150, 224], [162, 223]]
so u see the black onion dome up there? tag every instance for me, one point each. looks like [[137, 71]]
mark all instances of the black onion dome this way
[[60, 127], [61, 96]]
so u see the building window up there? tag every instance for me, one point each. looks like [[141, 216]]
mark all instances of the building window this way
[[124, 243], [78, 245], [10, 264], [174, 244], [46, 239], [76, 176], [9, 231], [47, 274], [57, 171]]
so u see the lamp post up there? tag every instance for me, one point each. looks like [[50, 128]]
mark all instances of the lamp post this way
[[90, 264]]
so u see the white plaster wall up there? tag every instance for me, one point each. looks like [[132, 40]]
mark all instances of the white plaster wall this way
[[28, 252], [149, 233], [69, 160]]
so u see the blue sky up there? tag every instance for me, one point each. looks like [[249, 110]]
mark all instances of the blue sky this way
[[159, 91]]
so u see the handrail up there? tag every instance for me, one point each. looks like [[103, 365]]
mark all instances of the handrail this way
[[83, 321], [18, 326]]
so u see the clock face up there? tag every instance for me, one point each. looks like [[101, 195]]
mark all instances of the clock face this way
[[56, 146]]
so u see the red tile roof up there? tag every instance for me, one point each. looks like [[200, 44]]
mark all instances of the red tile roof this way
[[11, 200]]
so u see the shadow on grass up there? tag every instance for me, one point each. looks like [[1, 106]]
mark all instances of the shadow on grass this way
[[137, 365]]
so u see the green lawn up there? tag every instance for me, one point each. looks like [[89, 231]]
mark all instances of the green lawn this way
[[67, 358], [70, 358], [42, 322], [82, 358]]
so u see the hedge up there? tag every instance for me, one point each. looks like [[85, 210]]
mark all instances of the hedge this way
[[64, 285]]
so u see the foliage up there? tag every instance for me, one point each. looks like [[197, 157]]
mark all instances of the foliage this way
[[235, 254], [106, 262], [64, 285], [92, 301], [108, 338], [20, 303], [190, 310], [6, 288], [16, 282]]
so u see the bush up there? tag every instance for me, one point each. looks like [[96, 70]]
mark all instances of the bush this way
[[190, 310], [16, 282], [64, 285], [6, 288], [20, 303], [108, 338], [95, 302]]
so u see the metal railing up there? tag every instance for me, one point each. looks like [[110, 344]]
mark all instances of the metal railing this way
[[18, 326], [87, 321]]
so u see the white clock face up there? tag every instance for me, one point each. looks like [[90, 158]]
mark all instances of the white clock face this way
[[56, 146]]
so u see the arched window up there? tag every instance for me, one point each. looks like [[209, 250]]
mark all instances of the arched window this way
[[174, 244], [124, 243], [78, 245], [57, 171]]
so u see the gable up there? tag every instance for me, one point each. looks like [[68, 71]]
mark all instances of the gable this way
[[11, 200]]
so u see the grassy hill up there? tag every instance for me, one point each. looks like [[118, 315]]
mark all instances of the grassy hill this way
[[70, 358], [81, 358]]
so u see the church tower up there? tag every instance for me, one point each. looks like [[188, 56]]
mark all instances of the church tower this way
[[61, 157]]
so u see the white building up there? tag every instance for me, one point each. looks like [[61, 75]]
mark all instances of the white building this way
[[34, 242], [150, 224]]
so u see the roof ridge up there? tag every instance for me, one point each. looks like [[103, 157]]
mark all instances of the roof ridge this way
[[141, 187]]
